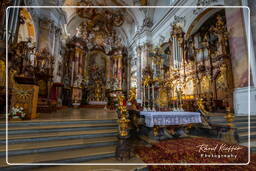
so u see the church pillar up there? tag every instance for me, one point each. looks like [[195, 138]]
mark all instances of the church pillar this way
[[53, 36], [139, 90], [120, 68], [76, 63], [252, 32], [45, 38], [72, 55], [108, 69], [239, 58], [13, 19], [115, 67]]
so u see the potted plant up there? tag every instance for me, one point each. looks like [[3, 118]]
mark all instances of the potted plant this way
[[17, 113]]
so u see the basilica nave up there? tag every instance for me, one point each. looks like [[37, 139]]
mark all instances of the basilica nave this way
[[132, 83]]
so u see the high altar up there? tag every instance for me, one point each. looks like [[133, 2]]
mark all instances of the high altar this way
[[94, 59]]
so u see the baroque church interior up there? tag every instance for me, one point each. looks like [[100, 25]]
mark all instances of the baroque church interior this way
[[133, 82]]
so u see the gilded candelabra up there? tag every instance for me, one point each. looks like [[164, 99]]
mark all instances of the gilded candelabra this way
[[229, 117], [200, 104], [123, 149], [132, 98], [123, 120], [146, 83]]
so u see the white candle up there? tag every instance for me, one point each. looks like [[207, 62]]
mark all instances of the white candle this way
[[148, 96], [153, 97], [144, 99]]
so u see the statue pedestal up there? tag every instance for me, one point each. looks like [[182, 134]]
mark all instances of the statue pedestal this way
[[76, 105]]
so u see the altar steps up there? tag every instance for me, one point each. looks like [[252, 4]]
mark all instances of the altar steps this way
[[56, 128], [54, 122], [241, 123], [62, 141], [93, 106]]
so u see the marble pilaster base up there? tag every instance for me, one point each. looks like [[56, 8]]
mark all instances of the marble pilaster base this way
[[242, 102]]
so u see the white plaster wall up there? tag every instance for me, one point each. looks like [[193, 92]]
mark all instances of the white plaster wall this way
[[242, 104]]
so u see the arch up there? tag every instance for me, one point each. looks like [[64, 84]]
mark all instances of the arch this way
[[27, 27], [199, 20]]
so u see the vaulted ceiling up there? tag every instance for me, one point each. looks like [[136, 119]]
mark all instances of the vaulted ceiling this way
[[133, 17]]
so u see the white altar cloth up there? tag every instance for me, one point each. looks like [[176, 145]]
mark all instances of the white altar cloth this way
[[170, 118], [97, 103]]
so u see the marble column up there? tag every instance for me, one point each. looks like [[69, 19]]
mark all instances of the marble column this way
[[251, 31], [53, 29], [139, 72], [16, 20], [13, 19], [44, 38], [238, 44], [119, 69], [108, 69]]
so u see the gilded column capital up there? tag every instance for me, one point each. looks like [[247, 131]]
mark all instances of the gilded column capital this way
[[117, 56]]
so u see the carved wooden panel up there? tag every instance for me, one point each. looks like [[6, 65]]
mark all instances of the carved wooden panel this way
[[25, 96]]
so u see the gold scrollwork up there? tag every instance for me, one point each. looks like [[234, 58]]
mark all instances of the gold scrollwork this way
[[146, 81], [2, 73], [200, 104]]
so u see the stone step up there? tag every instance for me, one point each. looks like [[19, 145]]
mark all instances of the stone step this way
[[55, 143], [237, 124], [55, 130], [235, 121], [237, 118], [66, 156], [54, 122], [252, 144], [22, 149], [243, 137], [57, 126], [51, 134], [245, 129], [253, 149], [246, 133], [14, 139]]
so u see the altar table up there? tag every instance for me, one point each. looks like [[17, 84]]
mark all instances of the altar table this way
[[170, 118]]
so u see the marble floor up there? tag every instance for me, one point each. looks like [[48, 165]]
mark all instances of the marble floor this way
[[80, 113]]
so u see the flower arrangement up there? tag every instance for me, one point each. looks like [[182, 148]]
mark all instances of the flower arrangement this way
[[17, 112]]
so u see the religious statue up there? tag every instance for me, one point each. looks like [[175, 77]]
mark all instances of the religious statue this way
[[99, 91], [78, 81], [132, 98]]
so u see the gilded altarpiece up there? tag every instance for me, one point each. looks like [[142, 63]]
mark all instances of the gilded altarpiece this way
[[94, 56], [203, 67]]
